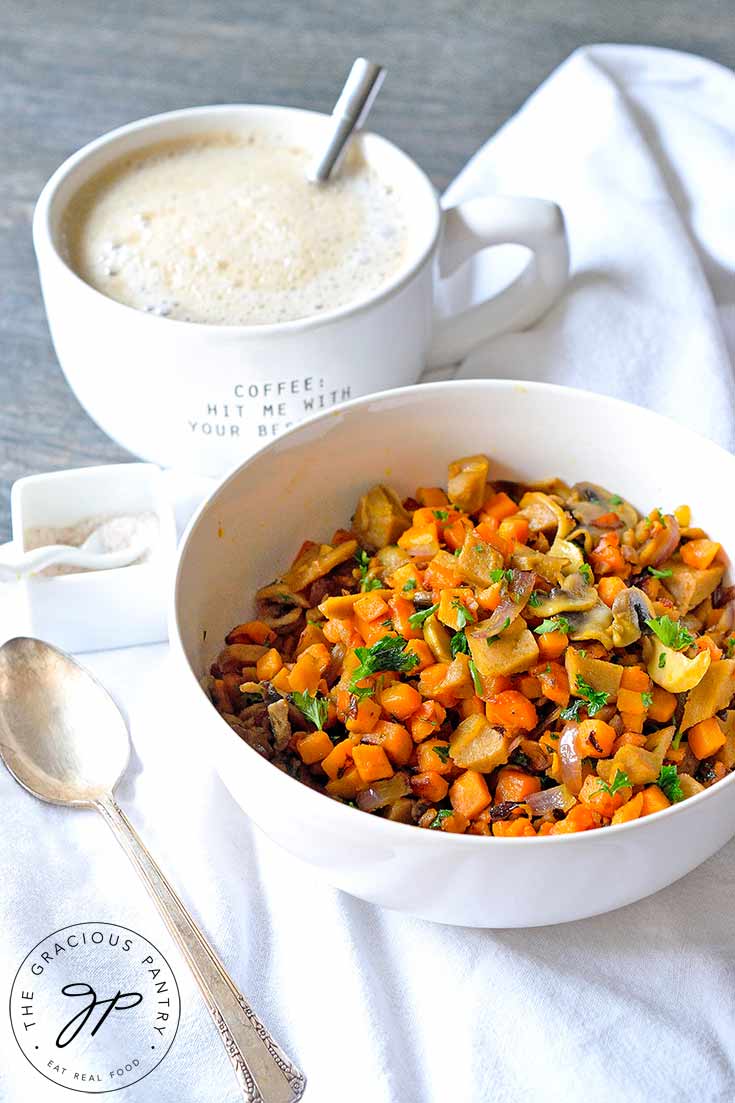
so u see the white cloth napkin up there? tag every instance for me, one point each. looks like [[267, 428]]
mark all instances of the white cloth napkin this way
[[637, 144], [638, 147]]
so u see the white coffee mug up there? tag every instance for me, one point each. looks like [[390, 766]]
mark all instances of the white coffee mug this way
[[204, 397]]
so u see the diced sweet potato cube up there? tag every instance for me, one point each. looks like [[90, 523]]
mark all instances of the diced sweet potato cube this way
[[371, 761], [631, 810], [268, 665], [368, 714], [335, 762], [433, 754], [305, 676], [314, 747], [395, 741], [654, 800], [429, 786], [454, 607], [663, 706], [469, 794], [706, 737]]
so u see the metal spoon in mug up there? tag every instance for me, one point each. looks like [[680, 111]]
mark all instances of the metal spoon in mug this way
[[349, 113], [64, 739]]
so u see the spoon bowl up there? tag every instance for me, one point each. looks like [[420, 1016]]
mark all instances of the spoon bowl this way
[[61, 734], [64, 739]]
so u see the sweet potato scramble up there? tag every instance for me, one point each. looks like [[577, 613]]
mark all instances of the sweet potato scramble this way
[[493, 659]]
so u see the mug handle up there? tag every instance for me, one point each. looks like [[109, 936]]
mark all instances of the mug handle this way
[[500, 220]]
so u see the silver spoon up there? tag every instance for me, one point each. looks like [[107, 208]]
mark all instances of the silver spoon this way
[[64, 739], [349, 113]]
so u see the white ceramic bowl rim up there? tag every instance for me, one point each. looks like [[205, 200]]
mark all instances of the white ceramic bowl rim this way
[[42, 235], [389, 827]]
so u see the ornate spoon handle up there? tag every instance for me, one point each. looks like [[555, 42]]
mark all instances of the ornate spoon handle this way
[[264, 1072]]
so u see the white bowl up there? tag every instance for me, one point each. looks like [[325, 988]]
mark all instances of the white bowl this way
[[304, 485]]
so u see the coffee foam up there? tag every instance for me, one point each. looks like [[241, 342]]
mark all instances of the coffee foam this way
[[226, 229]]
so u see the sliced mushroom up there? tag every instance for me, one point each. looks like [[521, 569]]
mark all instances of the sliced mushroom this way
[[592, 624], [590, 501], [672, 670], [548, 566], [630, 609], [538, 509], [574, 595]]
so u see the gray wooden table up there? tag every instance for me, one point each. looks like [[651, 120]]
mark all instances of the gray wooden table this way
[[73, 69]]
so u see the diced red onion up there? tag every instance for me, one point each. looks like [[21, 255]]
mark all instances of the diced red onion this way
[[571, 763], [520, 588], [669, 546], [548, 799], [383, 792]]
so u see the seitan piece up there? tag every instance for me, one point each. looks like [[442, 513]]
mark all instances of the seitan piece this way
[[602, 676], [688, 586], [509, 653], [712, 694]]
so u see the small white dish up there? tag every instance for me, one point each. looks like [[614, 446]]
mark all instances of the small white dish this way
[[95, 610]]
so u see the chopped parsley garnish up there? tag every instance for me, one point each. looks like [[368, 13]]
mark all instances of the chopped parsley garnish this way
[[457, 552], [361, 692], [441, 752], [371, 584], [518, 758], [586, 572], [730, 647], [387, 654], [499, 575], [662, 660], [676, 741], [386, 624], [616, 500], [672, 633], [409, 586], [595, 699], [439, 818], [552, 624], [647, 699], [464, 617], [476, 679], [620, 781], [534, 601], [666, 572], [440, 514], [417, 619], [668, 782], [458, 643], [571, 712], [480, 548], [363, 561], [314, 708], [582, 653]]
